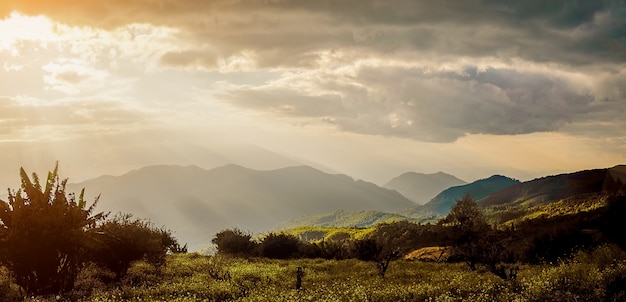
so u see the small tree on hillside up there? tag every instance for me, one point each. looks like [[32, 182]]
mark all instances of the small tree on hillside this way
[[234, 242], [44, 234], [466, 217], [372, 250], [476, 242], [471, 230]]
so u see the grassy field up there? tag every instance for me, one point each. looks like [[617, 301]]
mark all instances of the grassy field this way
[[594, 276]]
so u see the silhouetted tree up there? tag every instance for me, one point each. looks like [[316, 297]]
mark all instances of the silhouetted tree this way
[[371, 250], [235, 242], [44, 233]]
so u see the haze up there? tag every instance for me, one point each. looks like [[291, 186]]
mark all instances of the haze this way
[[367, 88]]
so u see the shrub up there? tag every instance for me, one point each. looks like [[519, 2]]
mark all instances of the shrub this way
[[44, 234], [124, 240], [234, 242], [279, 246]]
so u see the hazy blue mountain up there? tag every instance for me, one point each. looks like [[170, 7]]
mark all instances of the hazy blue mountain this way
[[420, 187], [441, 204], [197, 203]]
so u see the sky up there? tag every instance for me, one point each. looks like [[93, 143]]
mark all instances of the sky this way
[[368, 88]]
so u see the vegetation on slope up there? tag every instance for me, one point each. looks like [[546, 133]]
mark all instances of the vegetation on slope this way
[[570, 249], [318, 234], [363, 219]]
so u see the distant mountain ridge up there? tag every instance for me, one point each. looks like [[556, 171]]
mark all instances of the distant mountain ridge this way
[[503, 199], [420, 187], [443, 202], [552, 188], [197, 203]]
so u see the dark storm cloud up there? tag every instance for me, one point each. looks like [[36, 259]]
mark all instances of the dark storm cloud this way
[[571, 31]]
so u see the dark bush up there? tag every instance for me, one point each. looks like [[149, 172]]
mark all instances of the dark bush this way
[[279, 246], [44, 234], [123, 240], [235, 242]]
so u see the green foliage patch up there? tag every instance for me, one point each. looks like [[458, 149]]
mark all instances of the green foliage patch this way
[[318, 234]]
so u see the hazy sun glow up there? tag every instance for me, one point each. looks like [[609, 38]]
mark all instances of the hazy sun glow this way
[[18, 28]]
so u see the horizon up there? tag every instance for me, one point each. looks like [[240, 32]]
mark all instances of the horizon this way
[[370, 90]]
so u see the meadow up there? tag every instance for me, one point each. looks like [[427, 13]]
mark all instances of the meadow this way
[[598, 275]]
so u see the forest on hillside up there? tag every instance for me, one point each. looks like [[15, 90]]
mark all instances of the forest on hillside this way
[[54, 246]]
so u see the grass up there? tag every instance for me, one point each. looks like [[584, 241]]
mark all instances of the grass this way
[[594, 276]]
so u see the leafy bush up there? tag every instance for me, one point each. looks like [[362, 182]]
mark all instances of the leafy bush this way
[[124, 240], [44, 234], [279, 246]]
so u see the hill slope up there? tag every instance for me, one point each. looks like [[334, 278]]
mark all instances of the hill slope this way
[[362, 219], [441, 204], [420, 188], [556, 195], [197, 203]]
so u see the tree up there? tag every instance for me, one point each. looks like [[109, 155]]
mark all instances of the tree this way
[[476, 242], [471, 232], [466, 216], [44, 233], [371, 250], [234, 242]]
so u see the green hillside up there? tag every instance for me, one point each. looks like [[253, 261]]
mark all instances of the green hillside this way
[[316, 234], [553, 196], [361, 219]]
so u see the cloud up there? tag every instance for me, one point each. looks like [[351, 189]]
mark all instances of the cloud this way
[[425, 70], [73, 76], [47, 119], [432, 105], [290, 32]]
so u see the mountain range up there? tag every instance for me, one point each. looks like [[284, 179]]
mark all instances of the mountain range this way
[[441, 204], [196, 203]]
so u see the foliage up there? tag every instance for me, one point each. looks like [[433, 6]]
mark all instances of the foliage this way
[[279, 246], [317, 234], [466, 216], [371, 250], [235, 242], [44, 233], [124, 240], [598, 275]]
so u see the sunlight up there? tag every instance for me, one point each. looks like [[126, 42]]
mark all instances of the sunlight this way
[[18, 27]]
